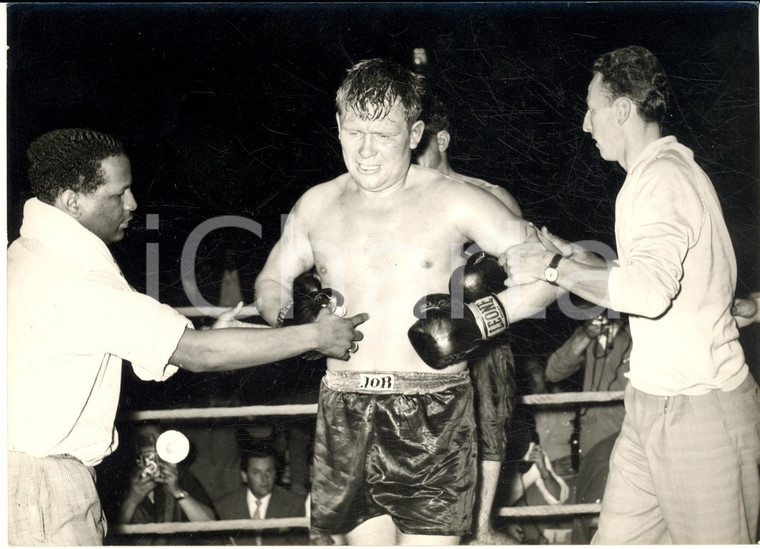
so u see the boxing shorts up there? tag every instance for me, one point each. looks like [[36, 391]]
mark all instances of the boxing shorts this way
[[493, 374], [401, 444]]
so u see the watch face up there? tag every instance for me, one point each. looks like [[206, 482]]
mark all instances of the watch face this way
[[551, 275]]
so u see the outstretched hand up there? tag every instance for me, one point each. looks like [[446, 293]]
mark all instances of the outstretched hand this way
[[339, 335]]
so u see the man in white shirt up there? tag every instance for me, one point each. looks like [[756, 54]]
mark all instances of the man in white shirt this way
[[72, 318], [684, 469]]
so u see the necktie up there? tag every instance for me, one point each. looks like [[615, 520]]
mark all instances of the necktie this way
[[257, 516], [257, 512]]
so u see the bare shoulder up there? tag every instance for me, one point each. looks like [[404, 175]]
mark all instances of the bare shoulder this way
[[499, 192], [321, 197]]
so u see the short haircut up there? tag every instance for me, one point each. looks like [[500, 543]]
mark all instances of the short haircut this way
[[257, 450], [634, 72], [372, 86], [69, 159], [435, 115]]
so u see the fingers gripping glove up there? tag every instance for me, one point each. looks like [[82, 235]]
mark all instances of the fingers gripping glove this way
[[308, 299], [448, 330], [480, 276]]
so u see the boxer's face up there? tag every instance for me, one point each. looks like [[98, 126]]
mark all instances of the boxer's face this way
[[377, 153], [107, 211], [600, 120]]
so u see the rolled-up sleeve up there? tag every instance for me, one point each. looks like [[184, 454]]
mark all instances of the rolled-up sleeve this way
[[130, 325]]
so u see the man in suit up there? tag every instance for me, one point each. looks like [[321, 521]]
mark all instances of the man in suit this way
[[261, 498]]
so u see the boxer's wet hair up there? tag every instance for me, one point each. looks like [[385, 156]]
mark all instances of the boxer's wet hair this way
[[372, 86], [634, 72], [69, 159]]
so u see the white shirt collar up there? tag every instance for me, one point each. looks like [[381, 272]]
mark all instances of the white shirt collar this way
[[263, 503]]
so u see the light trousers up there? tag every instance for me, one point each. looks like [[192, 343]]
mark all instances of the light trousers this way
[[684, 470]]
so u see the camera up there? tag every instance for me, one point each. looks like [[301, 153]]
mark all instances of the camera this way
[[148, 460], [601, 320]]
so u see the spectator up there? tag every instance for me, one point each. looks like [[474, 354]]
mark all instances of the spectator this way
[[261, 498], [601, 347], [159, 491], [529, 477]]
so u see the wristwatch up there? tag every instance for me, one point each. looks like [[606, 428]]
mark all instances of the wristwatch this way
[[551, 274], [181, 495]]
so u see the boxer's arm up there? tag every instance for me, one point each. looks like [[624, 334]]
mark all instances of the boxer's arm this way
[[527, 262], [494, 228], [507, 199], [291, 256]]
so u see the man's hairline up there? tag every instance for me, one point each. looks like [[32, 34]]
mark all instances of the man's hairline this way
[[342, 106]]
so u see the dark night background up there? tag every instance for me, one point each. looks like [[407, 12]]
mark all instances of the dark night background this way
[[228, 109]]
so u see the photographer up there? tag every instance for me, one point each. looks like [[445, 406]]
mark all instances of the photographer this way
[[602, 347], [158, 491]]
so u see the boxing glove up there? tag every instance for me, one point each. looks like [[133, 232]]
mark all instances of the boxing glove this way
[[309, 298], [480, 276], [447, 330]]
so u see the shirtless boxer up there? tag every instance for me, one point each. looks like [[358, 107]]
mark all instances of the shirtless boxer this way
[[395, 452], [493, 370]]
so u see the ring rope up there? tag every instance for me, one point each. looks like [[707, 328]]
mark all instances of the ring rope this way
[[311, 409], [209, 413], [550, 510], [212, 311], [573, 397], [212, 526]]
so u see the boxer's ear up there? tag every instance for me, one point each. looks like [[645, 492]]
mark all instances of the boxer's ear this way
[[416, 131]]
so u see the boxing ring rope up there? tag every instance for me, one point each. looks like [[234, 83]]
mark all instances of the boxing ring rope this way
[[213, 413], [311, 409], [212, 526], [572, 398]]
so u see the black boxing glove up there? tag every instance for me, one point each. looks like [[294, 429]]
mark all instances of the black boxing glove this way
[[480, 276], [448, 330], [309, 298]]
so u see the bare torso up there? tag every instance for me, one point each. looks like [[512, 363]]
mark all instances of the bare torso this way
[[383, 254]]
